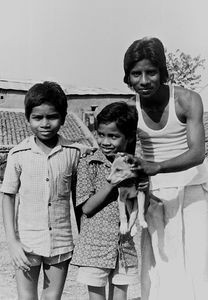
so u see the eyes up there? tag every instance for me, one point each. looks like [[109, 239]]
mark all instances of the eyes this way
[[111, 136], [150, 73], [48, 117]]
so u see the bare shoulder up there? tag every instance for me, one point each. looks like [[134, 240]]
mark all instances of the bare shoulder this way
[[187, 101]]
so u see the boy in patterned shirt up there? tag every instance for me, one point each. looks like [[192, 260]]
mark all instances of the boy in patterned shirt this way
[[102, 254], [41, 169]]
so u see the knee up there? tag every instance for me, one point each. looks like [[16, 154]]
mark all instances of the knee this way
[[27, 295], [51, 295], [120, 292]]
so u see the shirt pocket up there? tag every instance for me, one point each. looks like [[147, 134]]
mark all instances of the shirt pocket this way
[[64, 185]]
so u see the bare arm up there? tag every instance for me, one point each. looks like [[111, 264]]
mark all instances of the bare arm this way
[[191, 108], [8, 211], [97, 200], [16, 249]]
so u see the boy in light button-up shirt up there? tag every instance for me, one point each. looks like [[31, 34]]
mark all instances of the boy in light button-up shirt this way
[[41, 169]]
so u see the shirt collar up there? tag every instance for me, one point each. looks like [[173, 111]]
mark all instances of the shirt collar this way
[[99, 157], [30, 144]]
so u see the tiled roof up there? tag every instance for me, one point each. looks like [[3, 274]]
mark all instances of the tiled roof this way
[[68, 89], [14, 128]]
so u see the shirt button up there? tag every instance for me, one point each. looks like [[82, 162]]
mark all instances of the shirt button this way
[[50, 228], [47, 179], [49, 204]]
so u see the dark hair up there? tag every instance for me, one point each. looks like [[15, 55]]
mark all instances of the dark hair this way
[[46, 92], [125, 116], [146, 48]]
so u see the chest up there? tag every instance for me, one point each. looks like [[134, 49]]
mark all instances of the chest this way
[[36, 167], [157, 118]]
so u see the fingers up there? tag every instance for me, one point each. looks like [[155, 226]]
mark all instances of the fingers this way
[[88, 151], [19, 258], [21, 263]]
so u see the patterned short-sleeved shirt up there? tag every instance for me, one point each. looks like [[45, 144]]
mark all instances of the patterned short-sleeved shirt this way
[[99, 243], [44, 186]]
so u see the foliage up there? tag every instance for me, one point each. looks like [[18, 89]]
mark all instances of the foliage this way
[[184, 69]]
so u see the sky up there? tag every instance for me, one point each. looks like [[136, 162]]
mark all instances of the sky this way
[[82, 42]]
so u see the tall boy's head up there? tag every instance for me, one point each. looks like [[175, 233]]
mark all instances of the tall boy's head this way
[[151, 49], [46, 92], [116, 128]]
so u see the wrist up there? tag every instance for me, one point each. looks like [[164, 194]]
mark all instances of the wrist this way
[[11, 240], [109, 186], [159, 168]]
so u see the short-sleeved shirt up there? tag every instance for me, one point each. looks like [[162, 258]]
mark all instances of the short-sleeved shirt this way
[[99, 243], [44, 185]]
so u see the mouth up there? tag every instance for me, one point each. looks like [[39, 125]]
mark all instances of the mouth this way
[[145, 91], [107, 150], [45, 132]]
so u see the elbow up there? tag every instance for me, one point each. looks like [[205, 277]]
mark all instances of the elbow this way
[[200, 158], [86, 211]]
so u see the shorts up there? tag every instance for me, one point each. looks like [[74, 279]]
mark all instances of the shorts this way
[[37, 260], [98, 277]]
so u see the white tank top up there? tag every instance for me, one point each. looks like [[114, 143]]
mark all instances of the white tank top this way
[[167, 143]]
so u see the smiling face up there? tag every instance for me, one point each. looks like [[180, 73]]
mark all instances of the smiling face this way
[[111, 140], [45, 121], [144, 78]]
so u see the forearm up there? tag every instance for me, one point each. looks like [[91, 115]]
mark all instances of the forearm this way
[[94, 202], [8, 212], [182, 162]]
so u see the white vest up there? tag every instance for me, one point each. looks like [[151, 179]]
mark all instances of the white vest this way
[[167, 143]]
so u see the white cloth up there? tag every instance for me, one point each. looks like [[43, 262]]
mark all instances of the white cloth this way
[[175, 245]]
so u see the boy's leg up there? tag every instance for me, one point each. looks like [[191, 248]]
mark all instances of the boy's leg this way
[[119, 280], [27, 283], [96, 293], [54, 280], [96, 280], [117, 292]]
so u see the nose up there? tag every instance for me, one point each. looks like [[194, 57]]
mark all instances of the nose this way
[[144, 79], [105, 141], [45, 122]]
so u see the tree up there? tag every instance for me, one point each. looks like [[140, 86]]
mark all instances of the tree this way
[[184, 69]]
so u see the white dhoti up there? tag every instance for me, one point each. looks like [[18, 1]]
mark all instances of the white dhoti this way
[[175, 245]]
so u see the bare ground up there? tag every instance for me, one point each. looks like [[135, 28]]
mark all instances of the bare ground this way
[[72, 290]]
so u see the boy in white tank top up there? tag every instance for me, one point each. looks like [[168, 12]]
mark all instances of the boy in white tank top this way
[[170, 127]]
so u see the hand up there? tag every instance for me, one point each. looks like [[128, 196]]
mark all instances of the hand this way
[[150, 168], [17, 252], [87, 151]]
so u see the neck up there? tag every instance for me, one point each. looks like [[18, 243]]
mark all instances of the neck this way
[[47, 145], [157, 101]]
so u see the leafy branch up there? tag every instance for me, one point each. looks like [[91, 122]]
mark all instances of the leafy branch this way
[[184, 69]]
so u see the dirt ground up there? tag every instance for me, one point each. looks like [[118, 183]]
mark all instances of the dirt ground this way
[[72, 290]]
